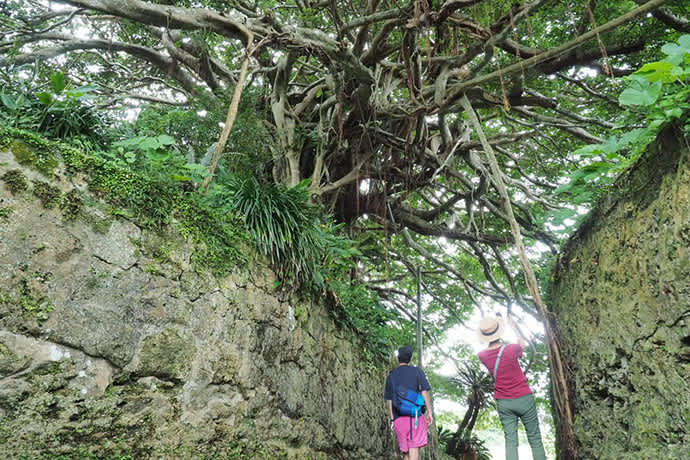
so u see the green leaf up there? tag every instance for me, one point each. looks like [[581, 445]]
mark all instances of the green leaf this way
[[658, 71], [557, 217], [85, 89], [641, 92], [8, 102], [130, 157], [164, 139], [633, 136], [675, 112], [155, 155], [131, 142], [149, 143], [45, 98], [58, 82], [678, 53], [610, 146]]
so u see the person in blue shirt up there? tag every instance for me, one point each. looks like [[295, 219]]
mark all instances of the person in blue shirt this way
[[410, 431]]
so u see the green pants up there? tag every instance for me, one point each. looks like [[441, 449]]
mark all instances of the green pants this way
[[525, 409]]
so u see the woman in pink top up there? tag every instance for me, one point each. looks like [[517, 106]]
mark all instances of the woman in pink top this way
[[514, 398]]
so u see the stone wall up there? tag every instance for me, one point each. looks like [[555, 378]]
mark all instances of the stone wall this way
[[113, 345], [621, 297]]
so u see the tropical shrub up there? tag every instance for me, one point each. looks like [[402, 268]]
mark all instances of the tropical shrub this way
[[59, 111]]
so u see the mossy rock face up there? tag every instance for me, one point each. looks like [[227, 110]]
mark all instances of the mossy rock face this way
[[167, 355], [38, 159], [49, 195], [71, 204], [621, 296], [5, 212], [9, 361], [16, 181], [135, 323]]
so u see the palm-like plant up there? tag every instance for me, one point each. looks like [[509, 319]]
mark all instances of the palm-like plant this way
[[282, 221], [479, 385]]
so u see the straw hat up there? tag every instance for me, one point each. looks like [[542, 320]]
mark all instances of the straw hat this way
[[490, 329]]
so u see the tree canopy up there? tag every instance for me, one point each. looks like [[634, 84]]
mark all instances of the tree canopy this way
[[362, 98]]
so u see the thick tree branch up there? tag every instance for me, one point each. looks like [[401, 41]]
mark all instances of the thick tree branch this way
[[457, 90], [164, 64]]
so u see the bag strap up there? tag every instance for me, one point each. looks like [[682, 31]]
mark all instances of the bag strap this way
[[498, 359]]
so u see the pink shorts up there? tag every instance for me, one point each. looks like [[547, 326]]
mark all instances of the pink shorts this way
[[402, 431]]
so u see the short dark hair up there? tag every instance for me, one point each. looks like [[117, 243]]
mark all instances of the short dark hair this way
[[405, 354]]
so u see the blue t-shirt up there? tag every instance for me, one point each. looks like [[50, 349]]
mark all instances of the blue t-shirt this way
[[405, 377]]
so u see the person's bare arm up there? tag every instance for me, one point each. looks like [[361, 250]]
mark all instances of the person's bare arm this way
[[427, 401], [390, 409], [520, 338]]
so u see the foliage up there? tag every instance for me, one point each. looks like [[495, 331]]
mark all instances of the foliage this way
[[363, 100], [196, 130], [379, 328], [151, 202], [474, 444], [157, 156], [15, 180], [479, 386], [283, 223], [287, 228], [59, 111], [656, 94]]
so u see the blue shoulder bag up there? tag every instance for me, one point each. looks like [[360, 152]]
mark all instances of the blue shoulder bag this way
[[409, 402]]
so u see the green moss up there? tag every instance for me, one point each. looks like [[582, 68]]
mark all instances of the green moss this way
[[38, 159], [16, 181], [221, 241], [96, 278], [53, 368], [255, 450], [167, 355], [153, 269], [48, 194], [25, 299], [101, 225], [301, 312], [8, 358], [33, 305], [98, 224], [71, 204], [5, 212], [623, 317]]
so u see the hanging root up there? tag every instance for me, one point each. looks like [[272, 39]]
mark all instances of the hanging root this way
[[559, 374]]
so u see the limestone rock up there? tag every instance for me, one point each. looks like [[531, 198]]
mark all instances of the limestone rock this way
[[621, 297], [106, 351]]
